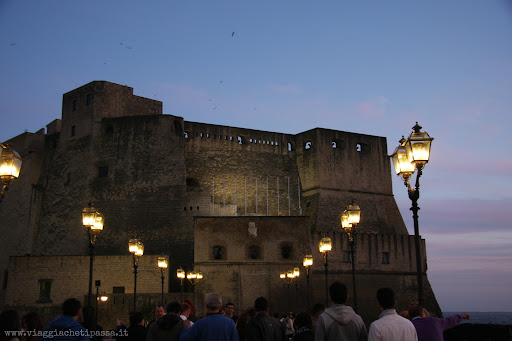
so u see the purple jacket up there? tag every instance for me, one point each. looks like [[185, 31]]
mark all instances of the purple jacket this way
[[432, 328]]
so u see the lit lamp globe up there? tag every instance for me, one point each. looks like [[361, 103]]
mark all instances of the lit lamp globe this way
[[296, 272], [191, 275], [10, 165], [289, 274], [282, 275], [354, 213], [418, 147], [199, 275], [403, 167], [325, 245], [307, 261], [162, 263], [180, 273], [103, 298], [140, 249], [133, 245], [97, 227], [89, 215]]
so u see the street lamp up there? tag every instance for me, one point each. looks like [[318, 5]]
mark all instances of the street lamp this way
[[413, 154], [136, 248], [194, 277], [10, 165], [288, 278], [93, 222], [308, 262], [162, 264], [325, 245], [349, 220], [180, 273]]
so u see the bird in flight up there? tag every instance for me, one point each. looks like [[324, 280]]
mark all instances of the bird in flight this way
[[233, 34]]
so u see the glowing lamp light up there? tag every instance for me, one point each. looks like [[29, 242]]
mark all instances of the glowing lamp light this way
[[308, 261], [282, 275], [140, 249], [133, 245], [89, 215], [191, 275], [325, 245], [98, 223], [354, 213], [162, 263], [289, 274], [199, 275], [180, 273], [418, 146], [296, 272], [103, 298], [10, 163], [345, 224], [403, 167]]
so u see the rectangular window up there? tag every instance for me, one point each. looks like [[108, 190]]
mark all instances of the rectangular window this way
[[75, 105], [346, 257], [88, 99], [73, 130], [45, 287], [103, 172], [118, 290], [385, 258], [4, 285]]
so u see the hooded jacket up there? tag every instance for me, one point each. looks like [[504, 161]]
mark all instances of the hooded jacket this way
[[340, 322], [167, 328]]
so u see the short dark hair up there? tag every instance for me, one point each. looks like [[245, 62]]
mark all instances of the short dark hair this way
[[230, 304], [317, 308], [386, 298], [136, 318], [260, 304], [174, 307], [71, 306], [338, 292], [303, 320], [415, 310]]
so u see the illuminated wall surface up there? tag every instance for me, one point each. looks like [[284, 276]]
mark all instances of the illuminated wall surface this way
[[165, 180]]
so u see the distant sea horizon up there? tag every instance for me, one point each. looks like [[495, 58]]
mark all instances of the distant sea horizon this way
[[479, 317]]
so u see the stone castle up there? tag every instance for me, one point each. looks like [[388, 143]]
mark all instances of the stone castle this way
[[239, 205]]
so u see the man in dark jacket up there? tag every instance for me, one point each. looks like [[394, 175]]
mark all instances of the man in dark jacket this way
[[263, 327], [67, 326], [169, 326]]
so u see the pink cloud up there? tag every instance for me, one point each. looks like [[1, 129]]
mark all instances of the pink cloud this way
[[372, 107]]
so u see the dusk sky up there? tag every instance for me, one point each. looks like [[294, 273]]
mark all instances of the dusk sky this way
[[369, 67]]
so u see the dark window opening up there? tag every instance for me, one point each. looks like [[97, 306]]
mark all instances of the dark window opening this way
[[254, 252], [286, 252], [103, 172], [308, 145], [385, 258], [118, 290], [346, 257], [219, 252], [333, 144], [198, 208], [88, 99], [73, 130], [151, 111], [68, 181], [75, 105], [45, 287], [109, 131], [308, 204], [4, 284]]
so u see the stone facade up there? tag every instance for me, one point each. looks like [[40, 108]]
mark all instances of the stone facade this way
[[168, 181]]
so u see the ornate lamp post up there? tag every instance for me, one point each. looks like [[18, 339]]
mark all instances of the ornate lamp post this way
[[349, 220], [194, 277], [180, 273], [10, 165], [287, 278], [136, 248], [325, 245], [308, 262], [93, 222], [162, 264], [413, 154]]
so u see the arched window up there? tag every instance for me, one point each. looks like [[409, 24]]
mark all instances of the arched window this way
[[308, 145], [254, 252]]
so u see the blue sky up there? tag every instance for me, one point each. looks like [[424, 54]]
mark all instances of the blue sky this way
[[371, 67]]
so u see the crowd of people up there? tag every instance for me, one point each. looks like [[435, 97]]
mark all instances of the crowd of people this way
[[178, 323]]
